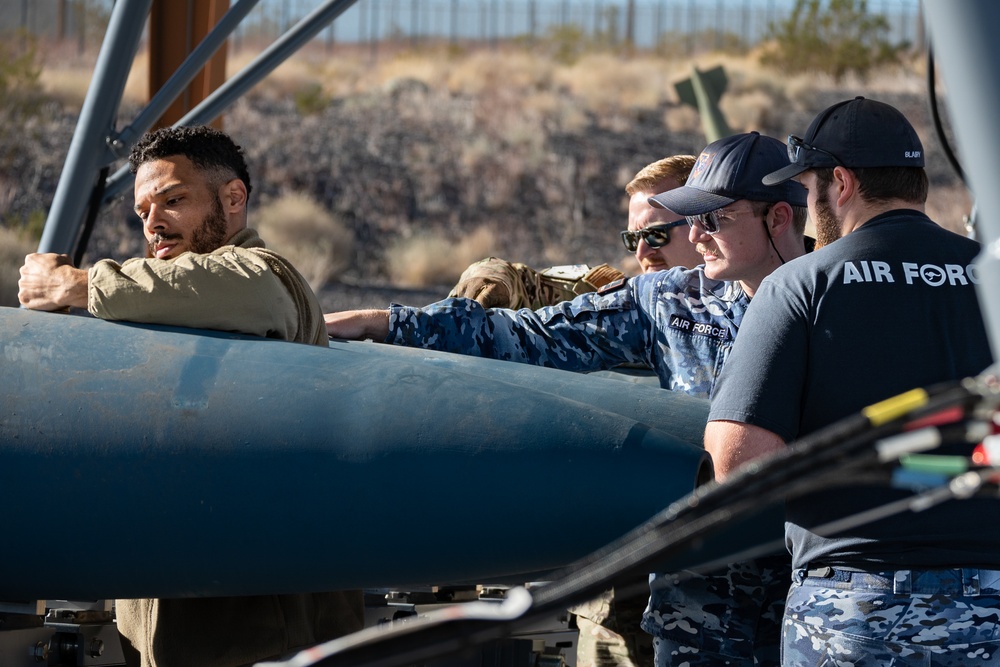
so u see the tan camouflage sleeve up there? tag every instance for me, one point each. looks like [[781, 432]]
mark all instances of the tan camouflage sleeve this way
[[497, 283]]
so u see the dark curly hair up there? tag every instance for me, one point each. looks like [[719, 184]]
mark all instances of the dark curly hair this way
[[206, 147]]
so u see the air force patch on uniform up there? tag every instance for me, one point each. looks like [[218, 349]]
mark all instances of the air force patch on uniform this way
[[699, 328], [612, 286]]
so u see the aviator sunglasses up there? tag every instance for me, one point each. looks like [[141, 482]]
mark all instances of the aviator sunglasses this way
[[655, 236], [711, 222]]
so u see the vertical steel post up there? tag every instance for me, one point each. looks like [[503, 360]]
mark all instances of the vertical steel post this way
[[964, 39]]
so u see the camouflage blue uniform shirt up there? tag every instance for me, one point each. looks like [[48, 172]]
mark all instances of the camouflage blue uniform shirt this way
[[679, 322]]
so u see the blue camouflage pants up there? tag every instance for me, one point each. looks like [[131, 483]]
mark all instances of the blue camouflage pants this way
[[902, 617], [730, 618]]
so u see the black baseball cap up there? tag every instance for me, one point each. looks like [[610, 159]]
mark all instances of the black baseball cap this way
[[731, 169], [856, 133]]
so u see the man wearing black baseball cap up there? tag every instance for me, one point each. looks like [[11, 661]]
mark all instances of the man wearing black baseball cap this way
[[861, 134], [681, 323], [888, 305]]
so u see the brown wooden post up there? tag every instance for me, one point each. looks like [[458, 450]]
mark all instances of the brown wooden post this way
[[175, 29]]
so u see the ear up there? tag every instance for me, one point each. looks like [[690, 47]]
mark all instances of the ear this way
[[779, 218], [233, 196], [846, 184]]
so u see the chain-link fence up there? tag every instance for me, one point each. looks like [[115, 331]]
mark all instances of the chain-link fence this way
[[684, 27]]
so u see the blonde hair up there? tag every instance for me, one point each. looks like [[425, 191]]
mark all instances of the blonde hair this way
[[652, 175]]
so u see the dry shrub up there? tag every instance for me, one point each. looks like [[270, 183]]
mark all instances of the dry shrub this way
[[137, 84], [608, 83], [948, 205], [682, 119], [487, 71], [746, 111], [342, 77], [430, 259], [890, 79], [316, 242], [652, 81], [553, 109], [289, 78], [800, 90], [498, 177], [419, 67], [66, 76], [13, 247], [514, 94], [67, 84], [511, 100], [348, 75]]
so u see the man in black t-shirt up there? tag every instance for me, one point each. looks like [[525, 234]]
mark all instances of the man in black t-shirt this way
[[888, 305]]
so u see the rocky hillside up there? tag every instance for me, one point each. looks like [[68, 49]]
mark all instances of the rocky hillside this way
[[539, 167]]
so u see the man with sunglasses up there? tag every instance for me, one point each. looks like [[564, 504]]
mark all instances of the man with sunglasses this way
[[497, 283], [681, 323], [657, 237], [887, 306], [609, 628]]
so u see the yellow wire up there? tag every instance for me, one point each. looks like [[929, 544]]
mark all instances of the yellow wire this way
[[897, 406]]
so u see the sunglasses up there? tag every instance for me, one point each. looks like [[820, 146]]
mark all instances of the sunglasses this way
[[796, 147], [711, 222], [655, 236]]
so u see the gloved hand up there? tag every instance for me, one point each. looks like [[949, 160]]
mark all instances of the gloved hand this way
[[488, 292], [490, 282], [497, 283]]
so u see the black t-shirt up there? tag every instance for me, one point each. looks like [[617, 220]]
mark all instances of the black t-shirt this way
[[890, 307]]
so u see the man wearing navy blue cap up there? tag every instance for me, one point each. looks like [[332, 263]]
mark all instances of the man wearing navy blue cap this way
[[886, 306], [679, 322], [740, 608]]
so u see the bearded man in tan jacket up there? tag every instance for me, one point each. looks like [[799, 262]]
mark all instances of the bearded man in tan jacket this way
[[203, 268]]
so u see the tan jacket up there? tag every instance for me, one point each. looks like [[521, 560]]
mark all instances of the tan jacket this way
[[239, 287]]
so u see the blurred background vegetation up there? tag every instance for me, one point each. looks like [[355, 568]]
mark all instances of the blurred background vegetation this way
[[391, 156]]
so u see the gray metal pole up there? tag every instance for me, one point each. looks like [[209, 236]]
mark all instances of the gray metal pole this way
[[250, 76], [964, 39], [89, 151]]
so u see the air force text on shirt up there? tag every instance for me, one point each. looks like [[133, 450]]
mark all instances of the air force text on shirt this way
[[909, 273], [698, 328]]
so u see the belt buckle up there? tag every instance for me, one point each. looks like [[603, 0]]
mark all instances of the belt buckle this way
[[824, 572]]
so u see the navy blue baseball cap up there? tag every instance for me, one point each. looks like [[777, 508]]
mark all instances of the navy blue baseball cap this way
[[856, 133], [731, 169]]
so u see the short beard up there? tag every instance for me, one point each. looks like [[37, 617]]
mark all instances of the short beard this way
[[212, 233], [827, 225], [206, 238]]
